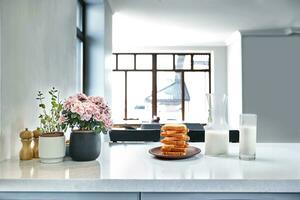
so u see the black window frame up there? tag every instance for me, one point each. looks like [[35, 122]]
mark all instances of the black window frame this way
[[81, 35], [154, 71]]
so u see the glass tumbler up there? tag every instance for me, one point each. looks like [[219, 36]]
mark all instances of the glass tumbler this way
[[248, 124]]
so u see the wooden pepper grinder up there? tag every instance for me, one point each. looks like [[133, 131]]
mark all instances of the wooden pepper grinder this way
[[26, 139], [36, 134]]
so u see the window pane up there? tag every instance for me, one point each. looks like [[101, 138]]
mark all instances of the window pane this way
[[144, 61], [79, 64], [79, 14], [125, 62], [169, 96], [197, 84], [139, 87], [183, 61], [118, 96], [164, 61], [201, 61]]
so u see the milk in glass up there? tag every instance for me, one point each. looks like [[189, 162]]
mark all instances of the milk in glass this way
[[247, 140], [216, 142], [216, 130], [248, 124]]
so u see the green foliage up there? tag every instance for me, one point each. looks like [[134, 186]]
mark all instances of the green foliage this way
[[49, 119], [74, 121]]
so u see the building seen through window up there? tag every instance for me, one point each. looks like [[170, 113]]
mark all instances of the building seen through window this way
[[169, 85]]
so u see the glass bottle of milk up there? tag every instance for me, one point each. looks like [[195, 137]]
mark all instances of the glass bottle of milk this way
[[217, 130]]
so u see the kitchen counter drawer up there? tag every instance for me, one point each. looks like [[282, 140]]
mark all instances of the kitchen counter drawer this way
[[220, 196], [68, 195]]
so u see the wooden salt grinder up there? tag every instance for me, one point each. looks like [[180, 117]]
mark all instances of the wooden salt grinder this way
[[26, 139], [36, 135]]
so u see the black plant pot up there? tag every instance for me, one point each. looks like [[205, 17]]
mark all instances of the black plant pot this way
[[84, 145]]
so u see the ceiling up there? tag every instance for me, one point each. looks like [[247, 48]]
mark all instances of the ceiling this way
[[196, 22]]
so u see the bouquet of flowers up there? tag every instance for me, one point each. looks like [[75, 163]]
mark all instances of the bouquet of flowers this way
[[87, 113]]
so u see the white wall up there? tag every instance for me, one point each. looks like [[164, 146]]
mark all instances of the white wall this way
[[234, 79], [271, 68], [38, 51]]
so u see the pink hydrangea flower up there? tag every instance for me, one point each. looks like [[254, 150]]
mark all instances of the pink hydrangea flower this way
[[108, 123], [89, 109], [70, 102], [81, 97], [86, 117], [78, 108], [96, 100], [61, 119]]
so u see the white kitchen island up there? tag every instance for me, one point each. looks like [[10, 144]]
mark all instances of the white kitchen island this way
[[128, 171]]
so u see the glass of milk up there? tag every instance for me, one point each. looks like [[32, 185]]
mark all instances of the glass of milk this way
[[248, 124]]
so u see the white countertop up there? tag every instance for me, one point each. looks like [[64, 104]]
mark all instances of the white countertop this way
[[130, 168]]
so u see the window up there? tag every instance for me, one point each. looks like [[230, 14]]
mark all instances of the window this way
[[80, 41], [169, 85]]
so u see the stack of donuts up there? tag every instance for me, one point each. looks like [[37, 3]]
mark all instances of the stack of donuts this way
[[175, 139]]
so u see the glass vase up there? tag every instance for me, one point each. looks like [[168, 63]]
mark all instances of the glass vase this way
[[217, 130]]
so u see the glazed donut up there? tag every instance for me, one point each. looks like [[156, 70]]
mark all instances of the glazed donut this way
[[176, 146], [174, 142], [174, 153], [172, 133], [177, 138], [182, 146], [173, 149], [174, 127]]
